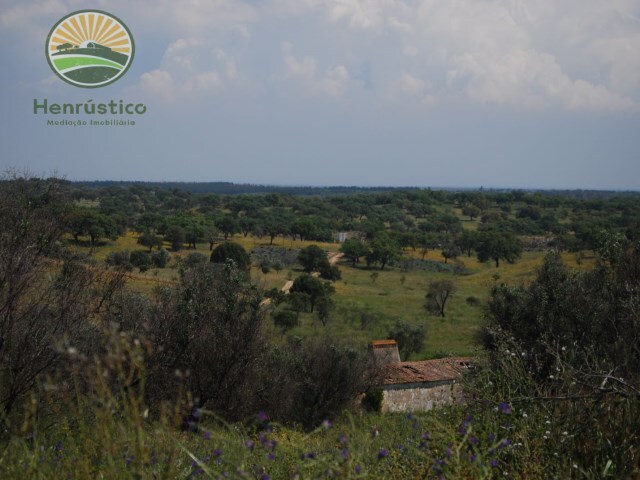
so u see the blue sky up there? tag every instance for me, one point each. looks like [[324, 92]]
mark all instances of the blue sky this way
[[493, 93]]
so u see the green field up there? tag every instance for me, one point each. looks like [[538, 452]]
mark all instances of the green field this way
[[394, 295], [72, 61]]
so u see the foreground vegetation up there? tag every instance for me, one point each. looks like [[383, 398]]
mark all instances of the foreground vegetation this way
[[121, 359]]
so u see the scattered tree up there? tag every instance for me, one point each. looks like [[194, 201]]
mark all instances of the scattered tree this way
[[410, 338], [439, 292], [176, 237], [353, 249], [316, 289], [150, 240], [498, 246], [312, 258], [383, 250]]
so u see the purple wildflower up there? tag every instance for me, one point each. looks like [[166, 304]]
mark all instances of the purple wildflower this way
[[206, 435], [358, 469], [494, 463], [504, 443], [474, 440], [263, 417], [264, 476], [327, 423], [426, 436], [472, 458], [438, 465], [249, 444], [271, 456], [383, 453], [504, 408]]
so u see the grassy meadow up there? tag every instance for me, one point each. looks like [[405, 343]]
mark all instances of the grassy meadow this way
[[384, 295]]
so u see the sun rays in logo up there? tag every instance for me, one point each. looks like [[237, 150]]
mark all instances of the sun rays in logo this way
[[90, 48]]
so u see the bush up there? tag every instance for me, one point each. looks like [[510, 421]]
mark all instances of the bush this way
[[310, 382], [574, 336], [139, 259], [160, 258], [473, 301], [372, 400], [330, 272], [210, 325], [279, 257], [231, 251], [119, 259], [194, 259], [285, 320]]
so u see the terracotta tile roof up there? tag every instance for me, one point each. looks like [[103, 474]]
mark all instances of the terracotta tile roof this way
[[383, 343], [437, 370]]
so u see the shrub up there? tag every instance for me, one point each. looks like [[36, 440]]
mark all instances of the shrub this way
[[285, 320], [139, 259], [265, 267], [574, 336], [210, 325], [231, 251], [160, 258], [194, 259], [312, 381], [473, 301], [119, 259], [372, 400], [330, 272]]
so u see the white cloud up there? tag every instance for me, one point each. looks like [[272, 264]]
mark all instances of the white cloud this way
[[508, 52], [305, 68], [574, 54], [332, 83], [191, 67], [416, 89], [24, 12], [158, 83]]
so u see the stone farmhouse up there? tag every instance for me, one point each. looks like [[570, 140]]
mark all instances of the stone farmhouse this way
[[416, 386]]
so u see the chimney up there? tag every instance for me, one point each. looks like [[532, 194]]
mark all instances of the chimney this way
[[384, 352]]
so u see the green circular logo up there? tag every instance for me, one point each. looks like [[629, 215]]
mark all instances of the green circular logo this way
[[90, 48]]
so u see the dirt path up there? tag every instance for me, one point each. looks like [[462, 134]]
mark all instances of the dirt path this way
[[333, 258], [287, 286]]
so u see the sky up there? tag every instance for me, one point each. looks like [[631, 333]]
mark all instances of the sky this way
[[439, 93]]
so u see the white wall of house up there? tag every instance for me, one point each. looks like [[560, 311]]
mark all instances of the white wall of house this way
[[419, 397]]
